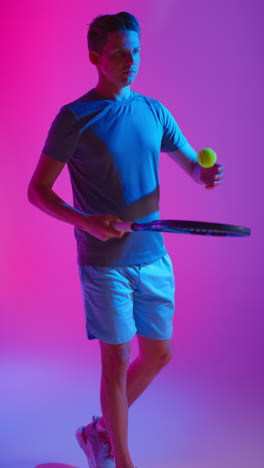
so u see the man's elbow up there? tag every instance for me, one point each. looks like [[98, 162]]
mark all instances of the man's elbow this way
[[33, 194], [30, 193]]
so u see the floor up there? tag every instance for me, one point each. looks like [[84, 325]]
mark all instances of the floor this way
[[180, 422]]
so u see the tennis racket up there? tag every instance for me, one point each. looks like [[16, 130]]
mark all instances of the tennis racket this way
[[185, 227]]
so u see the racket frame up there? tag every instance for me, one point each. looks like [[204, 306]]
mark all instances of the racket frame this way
[[184, 227]]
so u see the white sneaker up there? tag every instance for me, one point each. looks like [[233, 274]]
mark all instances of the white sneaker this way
[[96, 445]]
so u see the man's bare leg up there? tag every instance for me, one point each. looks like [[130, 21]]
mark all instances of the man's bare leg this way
[[153, 356], [123, 384], [114, 403]]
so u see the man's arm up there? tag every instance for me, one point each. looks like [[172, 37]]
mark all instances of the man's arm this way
[[41, 195], [186, 158]]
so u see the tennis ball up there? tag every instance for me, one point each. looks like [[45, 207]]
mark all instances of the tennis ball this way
[[207, 157]]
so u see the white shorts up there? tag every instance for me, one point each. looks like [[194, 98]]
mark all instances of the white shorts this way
[[121, 302]]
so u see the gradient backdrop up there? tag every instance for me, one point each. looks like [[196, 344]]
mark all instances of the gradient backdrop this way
[[204, 61]]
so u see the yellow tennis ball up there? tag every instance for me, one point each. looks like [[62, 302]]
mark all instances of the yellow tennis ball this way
[[207, 157]]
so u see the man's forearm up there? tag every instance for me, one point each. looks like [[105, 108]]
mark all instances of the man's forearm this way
[[48, 201], [186, 158]]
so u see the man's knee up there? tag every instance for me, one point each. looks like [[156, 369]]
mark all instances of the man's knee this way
[[165, 357], [156, 353], [115, 360]]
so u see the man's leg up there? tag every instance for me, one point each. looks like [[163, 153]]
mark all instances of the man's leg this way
[[153, 356], [122, 385], [114, 402], [153, 312]]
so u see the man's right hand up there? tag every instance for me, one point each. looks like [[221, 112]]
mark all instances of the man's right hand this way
[[41, 194], [100, 226]]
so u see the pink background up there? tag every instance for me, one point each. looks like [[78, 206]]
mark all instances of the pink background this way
[[204, 61]]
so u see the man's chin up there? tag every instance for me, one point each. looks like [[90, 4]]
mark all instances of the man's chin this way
[[127, 80]]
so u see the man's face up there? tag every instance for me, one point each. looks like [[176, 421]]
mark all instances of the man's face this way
[[119, 61]]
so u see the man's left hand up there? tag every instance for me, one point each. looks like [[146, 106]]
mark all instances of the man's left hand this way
[[211, 177]]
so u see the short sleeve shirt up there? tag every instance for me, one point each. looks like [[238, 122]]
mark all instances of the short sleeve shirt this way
[[112, 150]]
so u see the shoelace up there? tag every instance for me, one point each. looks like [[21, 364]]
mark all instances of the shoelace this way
[[104, 439]]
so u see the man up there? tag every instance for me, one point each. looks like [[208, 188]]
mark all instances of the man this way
[[111, 139]]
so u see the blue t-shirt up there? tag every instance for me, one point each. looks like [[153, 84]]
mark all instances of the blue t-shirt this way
[[112, 149]]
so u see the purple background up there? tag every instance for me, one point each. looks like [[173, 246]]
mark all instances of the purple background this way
[[204, 61]]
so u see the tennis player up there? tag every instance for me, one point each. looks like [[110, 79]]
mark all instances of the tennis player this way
[[111, 139]]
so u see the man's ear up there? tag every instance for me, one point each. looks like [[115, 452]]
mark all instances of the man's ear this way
[[94, 57]]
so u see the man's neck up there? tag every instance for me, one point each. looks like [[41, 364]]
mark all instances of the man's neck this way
[[112, 93]]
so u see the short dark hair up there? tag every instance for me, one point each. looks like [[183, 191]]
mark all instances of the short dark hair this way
[[102, 25]]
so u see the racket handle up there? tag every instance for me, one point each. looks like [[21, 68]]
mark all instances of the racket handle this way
[[122, 226]]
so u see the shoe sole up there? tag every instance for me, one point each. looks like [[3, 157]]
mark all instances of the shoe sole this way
[[86, 447]]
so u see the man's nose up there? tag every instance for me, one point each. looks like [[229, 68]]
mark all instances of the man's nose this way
[[130, 58]]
